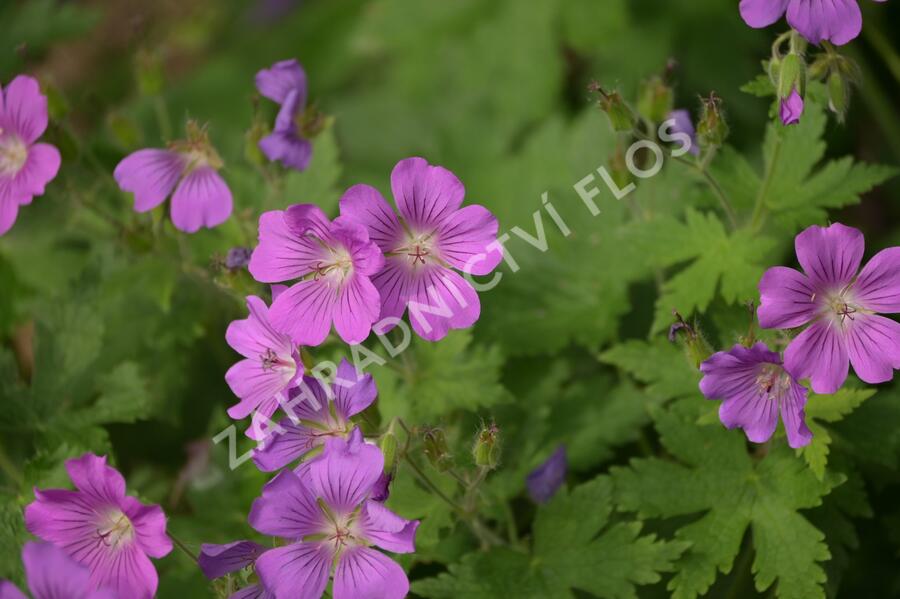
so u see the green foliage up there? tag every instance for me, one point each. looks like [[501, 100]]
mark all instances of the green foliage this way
[[828, 408], [716, 478], [576, 545]]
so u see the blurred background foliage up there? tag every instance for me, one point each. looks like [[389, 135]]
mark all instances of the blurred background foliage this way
[[112, 325]]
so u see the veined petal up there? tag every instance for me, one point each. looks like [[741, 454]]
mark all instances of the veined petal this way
[[440, 300], [288, 148], [426, 195], [297, 571], [878, 286], [793, 401], [150, 175], [353, 392], [202, 199], [39, 169], [830, 256], [52, 574], [357, 308], [92, 476], [287, 508], [285, 448], [305, 311], [820, 354], [345, 473], [873, 344], [283, 77], [10, 591], [252, 336], [787, 299], [468, 240], [282, 254], [149, 524], [386, 529], [365, 205], [363, 573], [218, 560], [9, 208], [838, 21], [394, 283]]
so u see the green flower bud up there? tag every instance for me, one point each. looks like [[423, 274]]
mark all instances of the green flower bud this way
[[655, 100], [388, 446], [838, 95], [487, 447], [792, 75], [251, 143], [436, 449], [149, 72], [712, 130], [620, 115]]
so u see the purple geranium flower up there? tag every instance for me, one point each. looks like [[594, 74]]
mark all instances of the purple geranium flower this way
[[327, 513], [218, 560], [25, 166], [432, 237], [324, 413], [285, 83], [684, 124], [755, 387], [841, 306], [100, 527], [270, 366], [837, 21], [791, 108], [334, 261], [52, 574], [546, 479], [190, 168]]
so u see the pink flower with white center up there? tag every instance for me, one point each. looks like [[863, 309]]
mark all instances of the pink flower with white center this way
[[331, 262], [840, 303], [327, 513], [271, 363], [101, 528], [190, 168], [433, 239], [25, 166]]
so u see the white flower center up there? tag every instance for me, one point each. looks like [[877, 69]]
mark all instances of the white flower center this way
[[337, 267], [115, 530], [13, 154], [419, 249], [773, 381]]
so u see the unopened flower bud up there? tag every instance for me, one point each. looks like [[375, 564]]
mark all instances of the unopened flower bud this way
[[712, 130], [149, 73], [436, 449], [620, 115], [695, 346], [237, 258], [487, 447], [655, 100], [388, 446], [618, 168]]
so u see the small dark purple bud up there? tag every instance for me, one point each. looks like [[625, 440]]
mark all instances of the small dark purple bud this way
[[381, 490], [546, 479], [238, 258], [673, 330]]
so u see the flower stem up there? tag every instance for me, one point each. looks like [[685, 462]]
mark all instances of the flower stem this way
[[182, 546], [10, 469], [759, 209]]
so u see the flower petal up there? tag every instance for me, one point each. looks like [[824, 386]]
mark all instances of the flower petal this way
[[762, 13], [218, 560], [149, 523], [878, 286], [353, 392], [9, 208], [24, 109], [426, 195], [305, 311], [873, 344], [287, 148], [39, 169], [202, 199], [440, 300], [52, 574], [753, 411], [345, 473], [10, 591], [363, 573], [820, 354], [283, 77], [786, 299], [837, 21], [830, 256], [282, 254], [365, 205], [151, 175], [297, 571], [357, 308], [394, 282], [92, 476], [794, 417], [287, 508], [386, 529], [252, 336], [284, 448], [468, 240], [127, 572]]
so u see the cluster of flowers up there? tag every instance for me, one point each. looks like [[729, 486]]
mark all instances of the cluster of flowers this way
[[360, 271], [841, 305], [818, 22]]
